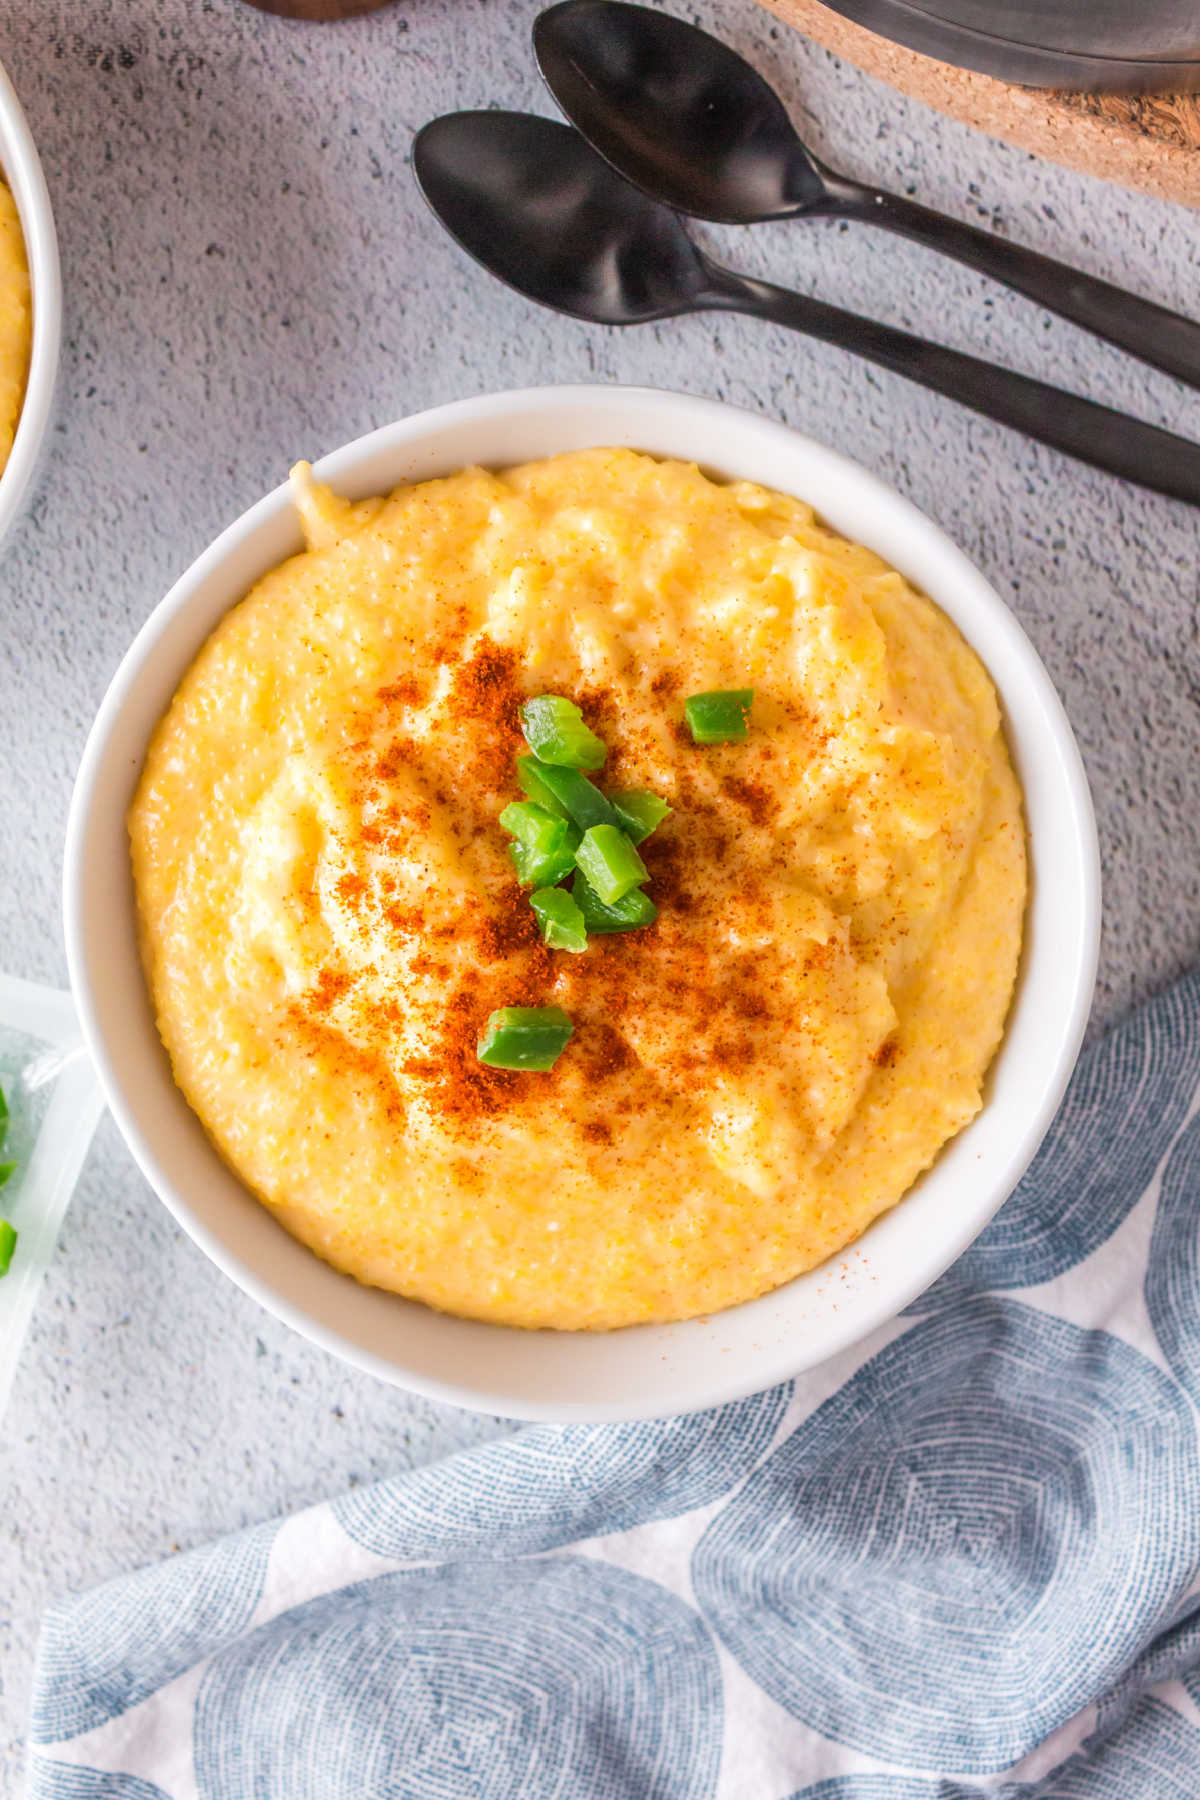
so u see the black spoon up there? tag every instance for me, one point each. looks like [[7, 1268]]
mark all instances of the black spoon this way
[[688, 120], [529, 199]]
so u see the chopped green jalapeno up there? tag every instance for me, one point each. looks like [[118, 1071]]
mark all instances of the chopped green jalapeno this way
[[578, 797], [525, 1037], [8, 1243], [555, 732], [628, 914], [610, 862], [7, 1171], [529, 775], [719, 717], [639, 812], [545, 866], [545, 848], [561, 921], [530, 824]]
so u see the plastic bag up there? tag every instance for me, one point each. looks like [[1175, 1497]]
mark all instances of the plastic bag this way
[[54, 1104]]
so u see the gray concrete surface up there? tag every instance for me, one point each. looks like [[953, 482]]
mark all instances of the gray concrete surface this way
[[251, 277]]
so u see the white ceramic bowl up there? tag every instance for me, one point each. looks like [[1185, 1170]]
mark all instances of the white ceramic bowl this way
[[23, 172], [643, 1371]]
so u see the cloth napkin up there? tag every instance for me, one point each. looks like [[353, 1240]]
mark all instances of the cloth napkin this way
[[961, 1561]]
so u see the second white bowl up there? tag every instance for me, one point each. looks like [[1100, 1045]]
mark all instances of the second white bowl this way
[[644, 1371], [23, 171]]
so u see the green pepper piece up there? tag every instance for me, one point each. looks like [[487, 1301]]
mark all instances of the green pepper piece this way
[[610, 863], [8, 1243], [545, 866], [529, 775], [578, 797], [560, 919], [7, 1171], [720, 716], [639, 812], [555, 732], [545, 848], [525, 1037], [531, 825], [630, 914]]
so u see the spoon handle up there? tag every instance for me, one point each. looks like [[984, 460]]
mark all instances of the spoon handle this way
[[1165, 340], [1082, 428]]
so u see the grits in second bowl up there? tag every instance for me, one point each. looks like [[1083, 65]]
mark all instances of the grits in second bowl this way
[[329, 912], [16, 321]]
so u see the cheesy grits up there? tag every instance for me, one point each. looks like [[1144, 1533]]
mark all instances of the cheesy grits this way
[[16, 324], [329, 914]]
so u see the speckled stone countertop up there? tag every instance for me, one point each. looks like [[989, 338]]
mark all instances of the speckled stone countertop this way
[[251, 277]]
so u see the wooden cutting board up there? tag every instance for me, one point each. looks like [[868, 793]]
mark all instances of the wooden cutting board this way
[[1146, 141]]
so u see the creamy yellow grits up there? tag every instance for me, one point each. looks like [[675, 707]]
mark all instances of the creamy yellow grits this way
[[329, 914], [16, 321]]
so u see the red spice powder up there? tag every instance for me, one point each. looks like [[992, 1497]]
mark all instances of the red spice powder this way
[[601, 709], [513, 927], [732, 1053], [455, 631], [485, 695], [405, 692], [331, 984], [677, 970], [368, 1065], [351, 889], [425, 965], [408, 920], [390, 761], [755, 796], [600, 1048]]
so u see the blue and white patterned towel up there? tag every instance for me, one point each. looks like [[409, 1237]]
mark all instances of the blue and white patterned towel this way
[[963, 1561]]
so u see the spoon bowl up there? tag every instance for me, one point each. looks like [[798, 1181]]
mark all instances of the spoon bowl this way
[[676, 111], [539, 208], [527, 198], [686, 119]]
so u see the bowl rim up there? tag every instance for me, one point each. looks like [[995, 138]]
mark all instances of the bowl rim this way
[[1081, 943], [26, 178]]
